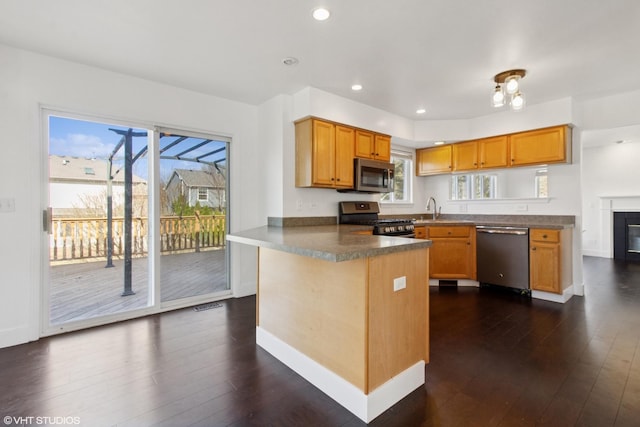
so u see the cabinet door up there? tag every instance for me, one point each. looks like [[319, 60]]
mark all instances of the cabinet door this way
[[432, 161], [539, 146], [465, 156], [544, 266], [345, 145], [494, 152], [365, 144], [451, 258], [323, 153], [383, 148]]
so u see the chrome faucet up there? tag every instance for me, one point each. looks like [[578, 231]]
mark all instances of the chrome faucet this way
[[435, 210]]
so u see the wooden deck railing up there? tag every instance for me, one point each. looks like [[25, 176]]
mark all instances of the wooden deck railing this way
[[84, 238]]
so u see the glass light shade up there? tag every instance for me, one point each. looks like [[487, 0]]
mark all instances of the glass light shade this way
[[511, 84], [517, 101], [498, 97]]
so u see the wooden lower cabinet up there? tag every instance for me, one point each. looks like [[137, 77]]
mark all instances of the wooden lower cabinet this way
[[453, 252], [550, 263]]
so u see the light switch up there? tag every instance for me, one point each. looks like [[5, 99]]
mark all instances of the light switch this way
[[399, 283]]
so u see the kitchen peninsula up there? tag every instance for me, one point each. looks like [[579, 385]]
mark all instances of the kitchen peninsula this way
[[347, 311]]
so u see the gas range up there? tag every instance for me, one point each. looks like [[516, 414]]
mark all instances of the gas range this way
[[366, 213]]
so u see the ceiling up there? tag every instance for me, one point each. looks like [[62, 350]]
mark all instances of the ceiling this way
[[440, 55]]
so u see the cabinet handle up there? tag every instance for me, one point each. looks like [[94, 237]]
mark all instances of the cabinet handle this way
[[332, 179], [468, 243], [338, 179], [544, 236], [475, 163], [533, 248]]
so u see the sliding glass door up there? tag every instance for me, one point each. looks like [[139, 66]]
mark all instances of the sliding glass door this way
[[135, 221], [193, 212]]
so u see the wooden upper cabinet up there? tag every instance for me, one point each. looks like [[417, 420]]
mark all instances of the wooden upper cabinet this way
[[493, 152], [365, 142], [344, 154], [465, 156], [323, 145], [370, 145], [481, 153], [536, 147], [433, 160], [324, 154], [383, 147], [549, 145]]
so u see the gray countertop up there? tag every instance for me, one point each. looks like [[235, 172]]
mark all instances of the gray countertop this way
[[329, 242], [527, 221]]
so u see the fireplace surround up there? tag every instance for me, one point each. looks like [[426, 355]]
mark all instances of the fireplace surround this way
[[626, 236]]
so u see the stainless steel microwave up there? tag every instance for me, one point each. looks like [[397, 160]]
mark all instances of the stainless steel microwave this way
[[373, 176]]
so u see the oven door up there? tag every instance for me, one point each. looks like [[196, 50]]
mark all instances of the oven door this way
[[373, 176]]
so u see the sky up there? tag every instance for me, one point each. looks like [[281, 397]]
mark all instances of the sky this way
[[85, 139]]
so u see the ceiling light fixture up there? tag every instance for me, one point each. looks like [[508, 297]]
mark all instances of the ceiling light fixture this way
[[508, 88], [321, 14], [421, 111], [356, 87], [438, 143]]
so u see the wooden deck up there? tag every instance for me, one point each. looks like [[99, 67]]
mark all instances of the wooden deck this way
[[88, 289]]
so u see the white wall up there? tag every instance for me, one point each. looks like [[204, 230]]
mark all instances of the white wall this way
[[609, 170], [28, 81], [610, 183], [261, 135]]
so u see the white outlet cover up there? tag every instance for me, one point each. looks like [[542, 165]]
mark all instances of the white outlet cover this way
[[399, 283]]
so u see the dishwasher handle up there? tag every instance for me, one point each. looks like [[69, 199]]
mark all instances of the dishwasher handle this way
[[517, 231]]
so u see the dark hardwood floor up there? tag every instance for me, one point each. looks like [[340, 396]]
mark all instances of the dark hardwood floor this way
[[497, 359]]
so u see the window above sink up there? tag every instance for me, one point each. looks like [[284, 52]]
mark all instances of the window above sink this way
[[525, 183]]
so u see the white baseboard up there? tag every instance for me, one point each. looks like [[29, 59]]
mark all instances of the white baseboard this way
[[366, 407], [547, 296], [596, 253]]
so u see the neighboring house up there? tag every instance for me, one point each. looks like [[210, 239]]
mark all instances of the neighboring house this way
[[197, 186], [78, 188]]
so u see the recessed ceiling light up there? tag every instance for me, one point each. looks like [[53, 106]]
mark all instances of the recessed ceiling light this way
[[290, 60], [356, 87], [421, 111], [438, 143], [321, 14]]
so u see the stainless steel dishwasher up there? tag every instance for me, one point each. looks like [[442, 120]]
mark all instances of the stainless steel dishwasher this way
[[503, 256]]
